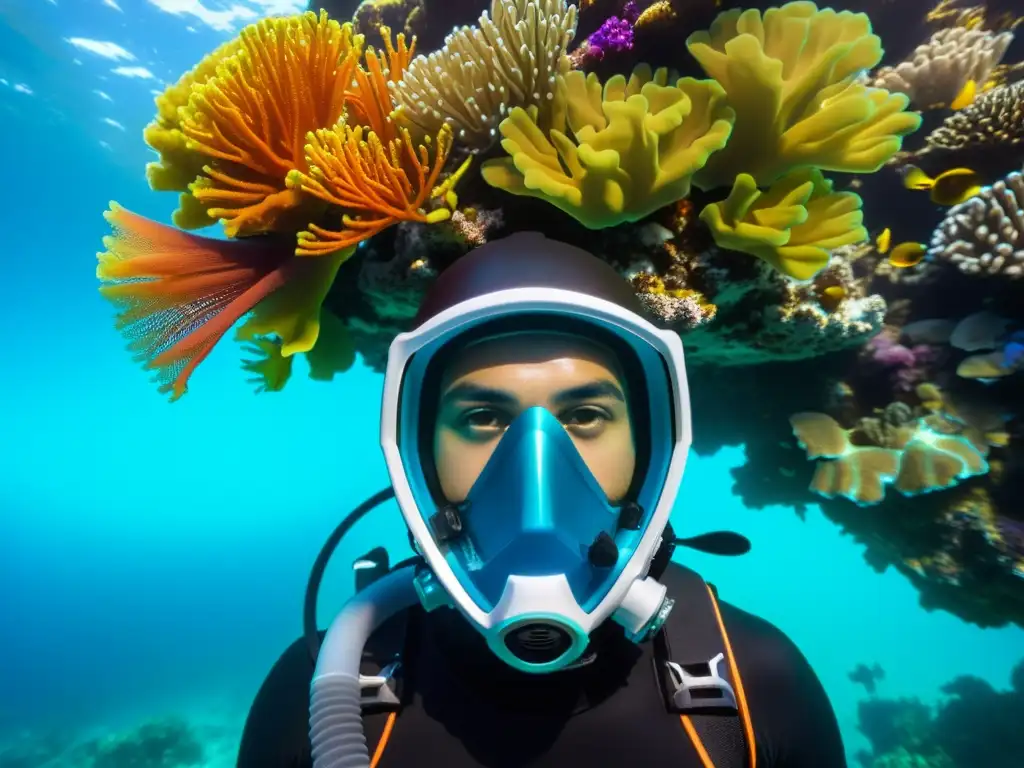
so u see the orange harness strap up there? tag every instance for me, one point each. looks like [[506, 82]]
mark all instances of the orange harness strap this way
[[384, 737], [741, 700]]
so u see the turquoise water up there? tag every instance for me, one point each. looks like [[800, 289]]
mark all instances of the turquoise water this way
[[154, 555]]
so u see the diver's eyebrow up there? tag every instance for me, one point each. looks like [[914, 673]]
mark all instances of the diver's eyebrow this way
[[478, 394], [590, 391]]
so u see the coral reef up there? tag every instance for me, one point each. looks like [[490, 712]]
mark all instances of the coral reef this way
[[985, 235], [973, 725], [995, 120], [939, 69], [733, 184], [178, 294]]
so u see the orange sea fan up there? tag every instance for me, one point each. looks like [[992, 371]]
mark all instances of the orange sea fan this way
[[178, 293], [375, 183], [287, 77], [368, 103]]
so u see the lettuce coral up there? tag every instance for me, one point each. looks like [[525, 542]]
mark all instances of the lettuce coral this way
[[793, 226], [791, 76], [916, 460], [247, 121], [636, 145]]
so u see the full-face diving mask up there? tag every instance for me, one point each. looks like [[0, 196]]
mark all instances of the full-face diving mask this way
[[536, 556]]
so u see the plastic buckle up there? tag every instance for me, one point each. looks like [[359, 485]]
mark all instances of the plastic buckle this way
[[380, 690], [701, 691]]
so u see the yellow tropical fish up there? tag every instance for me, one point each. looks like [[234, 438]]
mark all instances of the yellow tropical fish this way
[[951, 187], [884, 241], [907, 255], [835, 292], [998, 439], [966, 96]]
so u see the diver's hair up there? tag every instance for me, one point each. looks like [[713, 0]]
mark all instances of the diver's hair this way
[[630, 368], [526, 260]]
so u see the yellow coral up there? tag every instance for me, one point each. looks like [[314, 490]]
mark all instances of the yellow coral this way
[[292, 313], [793, 226], [637, 145], [178, 166], [790, 75], [331, 354], [249, 107]]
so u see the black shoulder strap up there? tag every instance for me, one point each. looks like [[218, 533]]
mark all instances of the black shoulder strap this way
[[692, 665]]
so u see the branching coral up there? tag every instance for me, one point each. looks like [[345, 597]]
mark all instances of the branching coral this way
[[511, 59], [637, 145], [177, 294], [791, 77], [938, 70], [916, 459], [995, 120], [985, 235], [792, 226], [178, 167], [375, 183], [248, 111]]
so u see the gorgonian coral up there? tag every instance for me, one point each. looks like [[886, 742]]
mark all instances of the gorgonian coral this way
[[937, 71], [248, 120], [793, 225], [791, 75], [995, 120], [509, 60], [177, 294], [985, 235], [635, 145]]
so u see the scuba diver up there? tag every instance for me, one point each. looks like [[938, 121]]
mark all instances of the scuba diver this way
[[535, 428]]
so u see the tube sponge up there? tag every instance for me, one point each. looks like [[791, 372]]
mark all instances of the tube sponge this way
[[793, 226], [790, 75], [636, 145]]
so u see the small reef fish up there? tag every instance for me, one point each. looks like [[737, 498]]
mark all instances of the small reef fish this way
[[907, 255], [867, 676], [1013, 352], [951, 187], [966, 96], [836, 292], [884, 241]]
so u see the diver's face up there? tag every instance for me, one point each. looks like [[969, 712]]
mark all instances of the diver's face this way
[[490, 383]]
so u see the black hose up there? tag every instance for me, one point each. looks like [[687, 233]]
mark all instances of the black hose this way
[[310, 630]]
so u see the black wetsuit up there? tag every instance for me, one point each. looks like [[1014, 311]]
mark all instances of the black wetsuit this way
[[463, 707]]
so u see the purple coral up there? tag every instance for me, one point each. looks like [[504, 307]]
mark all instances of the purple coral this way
[[615, 35], [909, 362]]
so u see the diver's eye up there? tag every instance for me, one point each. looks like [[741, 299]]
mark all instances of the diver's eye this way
[[586, 419], [483, 422]]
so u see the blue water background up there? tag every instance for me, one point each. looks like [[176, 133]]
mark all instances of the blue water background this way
[[153, 556]]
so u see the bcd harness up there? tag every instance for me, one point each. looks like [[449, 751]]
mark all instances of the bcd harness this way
[[692, 660]]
